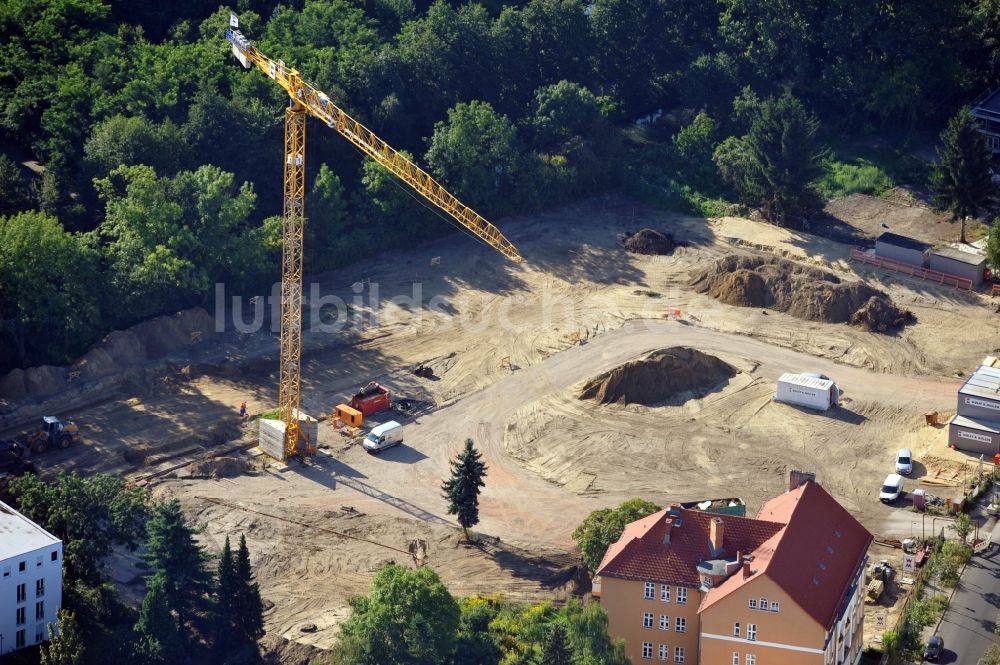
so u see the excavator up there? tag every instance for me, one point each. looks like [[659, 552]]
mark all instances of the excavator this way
[[305, 100]]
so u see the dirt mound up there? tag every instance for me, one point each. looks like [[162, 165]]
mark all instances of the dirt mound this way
[[650, 241], [806, 293], [118, 351], [219, 467], [658, 377], [879, 315]]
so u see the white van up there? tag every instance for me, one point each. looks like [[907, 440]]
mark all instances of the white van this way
[[383, 436], [892, 488]]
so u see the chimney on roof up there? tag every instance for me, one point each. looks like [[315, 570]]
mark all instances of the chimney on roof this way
[[798, 478], [715, 534], [746, 566]]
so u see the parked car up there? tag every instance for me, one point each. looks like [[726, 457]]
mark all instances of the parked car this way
[[383, 436], [934, 647], [904, 461], [892, 488]]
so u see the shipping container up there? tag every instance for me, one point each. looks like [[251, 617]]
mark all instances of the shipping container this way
[[958, 262], [900, 248], [974, 435], [979, 396], [807, 390]]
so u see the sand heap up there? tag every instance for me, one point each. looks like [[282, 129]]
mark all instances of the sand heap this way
[[804, 292], [658, 377], [650, 241], [119, 351], [218, 467]]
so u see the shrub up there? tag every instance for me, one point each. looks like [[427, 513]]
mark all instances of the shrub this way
[[844, 178]]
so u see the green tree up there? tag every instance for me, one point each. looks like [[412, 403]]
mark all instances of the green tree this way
[[477, 154], [475, 642], [601, 528], [991, 656], [249, 615], [554, 649], [172, 551], [48, 308], [993, 247], [777, 161], [588, 636], [695, 143], [463, 488], [408, 619], [562, 111], [13, 194], [962, 526], [170, 239], [128, 141], [65, 645], [90, 515], [226, 590], [961, 180], [160, 640]]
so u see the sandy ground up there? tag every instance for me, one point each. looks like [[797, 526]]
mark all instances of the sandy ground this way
[[509, 345]]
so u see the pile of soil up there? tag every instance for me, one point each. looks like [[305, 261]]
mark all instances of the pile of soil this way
[[219, 467], [804, 292], [657, 377], [650, 241], [120, 350]]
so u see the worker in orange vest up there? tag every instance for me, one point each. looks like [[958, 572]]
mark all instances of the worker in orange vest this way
[[243, 410]]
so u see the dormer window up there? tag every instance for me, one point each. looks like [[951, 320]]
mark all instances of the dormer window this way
[[707, 581]]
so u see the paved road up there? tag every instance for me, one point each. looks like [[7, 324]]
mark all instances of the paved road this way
[[967, 626]]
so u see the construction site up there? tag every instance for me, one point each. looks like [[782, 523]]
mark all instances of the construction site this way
[[586, 375], [594, 353]]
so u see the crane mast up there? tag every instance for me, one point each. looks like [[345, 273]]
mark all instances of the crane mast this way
[[307, 100]]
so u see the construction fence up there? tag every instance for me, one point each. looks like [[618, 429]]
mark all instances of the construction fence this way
[[912, 270]]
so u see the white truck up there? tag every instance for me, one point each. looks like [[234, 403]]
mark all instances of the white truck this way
[[383, 436], [814, 391]]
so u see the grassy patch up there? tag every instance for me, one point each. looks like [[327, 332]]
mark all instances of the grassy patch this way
[[646, 292], [846, 178], [269, 415]]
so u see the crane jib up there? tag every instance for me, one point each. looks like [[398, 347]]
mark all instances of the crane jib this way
[[319, 105]]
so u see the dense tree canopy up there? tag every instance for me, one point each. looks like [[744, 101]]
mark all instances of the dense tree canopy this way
[[515, 105], [604, 527]]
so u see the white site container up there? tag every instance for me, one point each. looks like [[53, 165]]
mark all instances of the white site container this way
[[807, 390]]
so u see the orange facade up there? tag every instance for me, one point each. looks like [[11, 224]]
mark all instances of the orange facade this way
[[660, 629]]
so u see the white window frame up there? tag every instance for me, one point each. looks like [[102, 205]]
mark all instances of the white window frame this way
[[648, 591], [763, 604], [752, 603], [682, 595], [736, 658], [751, 659], [736, 629], [752, 632], [664, 622], [774, 606], [665, 593], [664, 653], [647, 620], [678, 654], [647, 650], [680, 625]]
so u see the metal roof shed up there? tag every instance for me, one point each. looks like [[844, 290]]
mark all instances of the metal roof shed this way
[[957, 262], [900, 248], [979, 397], [974, 435]]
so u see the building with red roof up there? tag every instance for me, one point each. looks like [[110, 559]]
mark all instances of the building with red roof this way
[[786, 587]]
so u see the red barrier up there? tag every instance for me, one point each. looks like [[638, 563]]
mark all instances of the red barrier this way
[[913, 271]]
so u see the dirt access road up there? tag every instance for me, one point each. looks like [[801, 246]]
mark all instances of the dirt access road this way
[[406, 480]]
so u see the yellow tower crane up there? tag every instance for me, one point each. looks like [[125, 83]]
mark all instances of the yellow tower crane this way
[[307, 100]]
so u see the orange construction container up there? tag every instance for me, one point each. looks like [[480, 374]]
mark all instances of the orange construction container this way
[[348, 415]]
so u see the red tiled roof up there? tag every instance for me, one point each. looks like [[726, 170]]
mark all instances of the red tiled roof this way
[[640, 554], [813, 558]]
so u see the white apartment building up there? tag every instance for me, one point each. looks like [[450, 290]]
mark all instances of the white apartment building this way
[[30, 580]]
